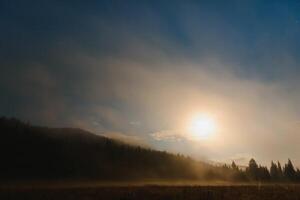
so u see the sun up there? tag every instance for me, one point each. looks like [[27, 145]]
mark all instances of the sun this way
[[202, 126]]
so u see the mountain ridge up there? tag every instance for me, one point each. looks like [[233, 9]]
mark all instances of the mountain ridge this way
[[35, 152]]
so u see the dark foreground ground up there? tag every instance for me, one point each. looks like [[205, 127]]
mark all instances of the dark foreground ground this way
[[154, 192]]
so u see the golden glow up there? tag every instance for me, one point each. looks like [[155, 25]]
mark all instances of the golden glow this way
[[202, 126]]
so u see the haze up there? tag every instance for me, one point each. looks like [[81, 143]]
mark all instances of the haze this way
[[139, 71]]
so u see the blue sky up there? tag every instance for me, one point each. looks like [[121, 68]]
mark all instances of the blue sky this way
[[136, 70]]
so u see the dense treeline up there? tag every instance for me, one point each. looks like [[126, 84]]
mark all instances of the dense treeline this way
[[39, 153], [30, 152], [255, 172]]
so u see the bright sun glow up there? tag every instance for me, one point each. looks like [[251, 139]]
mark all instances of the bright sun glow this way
[[202, 126]]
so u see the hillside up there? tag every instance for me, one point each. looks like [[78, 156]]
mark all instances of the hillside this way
[[40, 153]]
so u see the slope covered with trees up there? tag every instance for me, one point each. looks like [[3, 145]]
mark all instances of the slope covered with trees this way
[[29, 152], [40, 153]]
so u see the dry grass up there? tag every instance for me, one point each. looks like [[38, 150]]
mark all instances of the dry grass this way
[[156, 192]]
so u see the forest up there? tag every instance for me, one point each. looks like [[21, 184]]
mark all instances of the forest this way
[[40, 153]]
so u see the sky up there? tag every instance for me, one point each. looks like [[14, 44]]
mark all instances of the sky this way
[[141, 70]]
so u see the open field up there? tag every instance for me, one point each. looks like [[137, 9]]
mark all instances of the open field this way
[[155, 192]]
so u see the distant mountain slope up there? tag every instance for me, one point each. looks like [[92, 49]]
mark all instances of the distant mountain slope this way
[[39, 153]]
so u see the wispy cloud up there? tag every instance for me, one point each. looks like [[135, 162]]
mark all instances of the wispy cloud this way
[[168, 135], [137, 78]]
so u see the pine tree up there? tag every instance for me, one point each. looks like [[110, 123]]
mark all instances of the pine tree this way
[[252, 170], [297, 175], [274, 172], [234, 166], [280, 173], [264, 174], [289, 171]]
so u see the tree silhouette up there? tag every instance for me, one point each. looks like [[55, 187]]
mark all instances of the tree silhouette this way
[[289, 171], [297, 176], [252, 170], [234, 166], [280, 173], [274, 171], [263, 173]]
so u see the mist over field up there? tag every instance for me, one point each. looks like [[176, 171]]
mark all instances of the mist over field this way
[[144, 99]]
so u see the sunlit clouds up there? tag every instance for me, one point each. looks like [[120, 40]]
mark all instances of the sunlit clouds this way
[[191, 80]]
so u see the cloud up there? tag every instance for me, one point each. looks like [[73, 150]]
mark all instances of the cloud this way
[[168, 135], [135, 123], [137, 79]]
